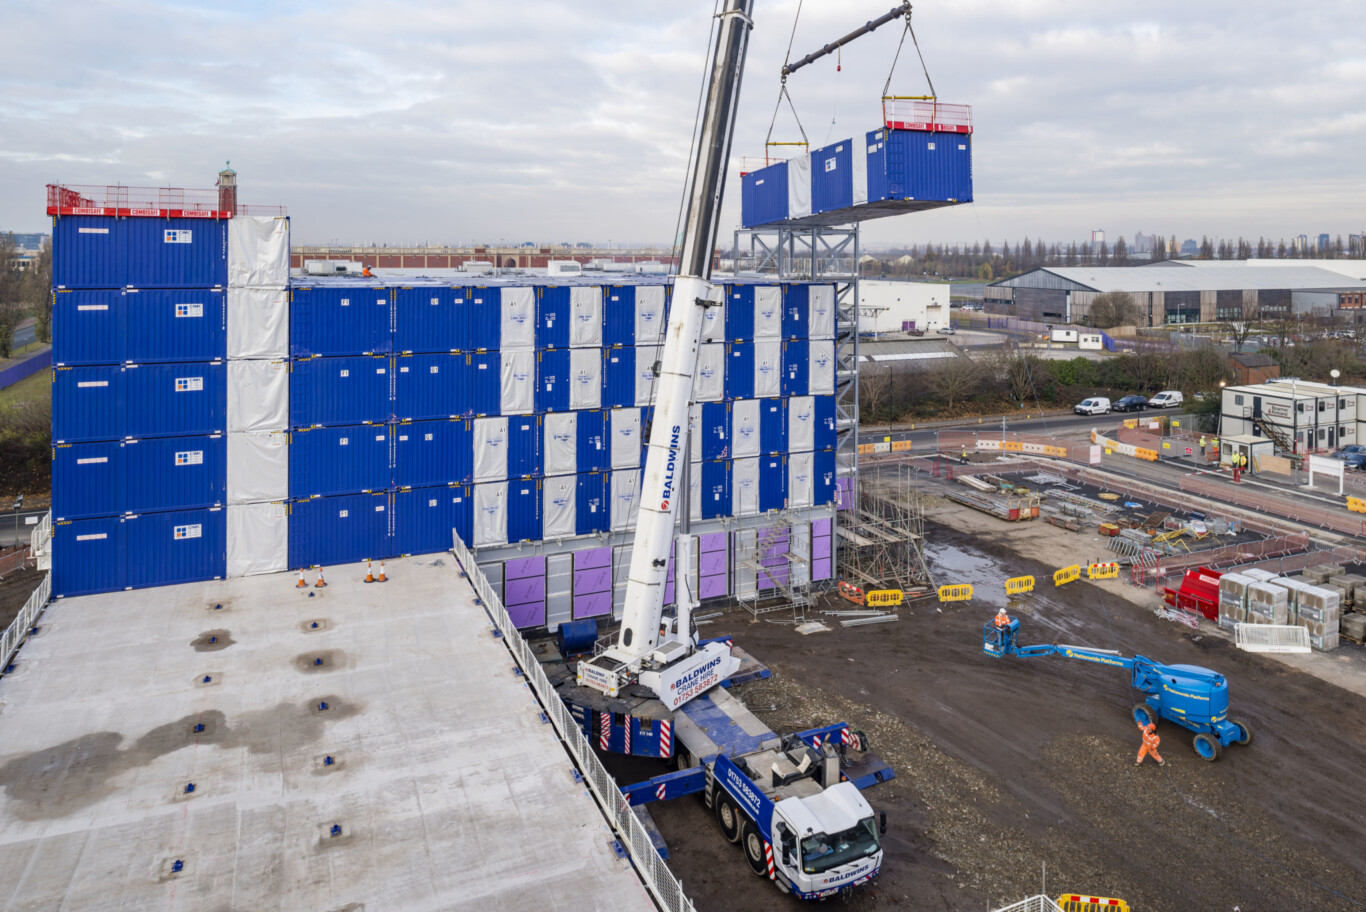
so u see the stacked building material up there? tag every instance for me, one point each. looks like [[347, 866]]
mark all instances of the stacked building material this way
[[1353, 626], [1267, 603], [1348, 583], [1233, 599], [1320, 613], [1321, 573]]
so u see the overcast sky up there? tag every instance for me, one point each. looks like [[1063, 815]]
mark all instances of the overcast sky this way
[[411, 122]]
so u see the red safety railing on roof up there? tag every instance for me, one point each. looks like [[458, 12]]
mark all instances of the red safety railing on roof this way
[[926, 113], [150, 202]]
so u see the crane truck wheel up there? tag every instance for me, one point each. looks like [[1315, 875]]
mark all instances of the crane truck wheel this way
[[754, 850], [729, 816], [1208, 747], [1143, 714], [1244, 731]]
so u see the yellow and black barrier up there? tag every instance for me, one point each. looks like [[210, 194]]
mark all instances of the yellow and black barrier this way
[[1108, 570], [958, 592], [1067, 575], [884, 598], [1082, 902], [1019, 585]]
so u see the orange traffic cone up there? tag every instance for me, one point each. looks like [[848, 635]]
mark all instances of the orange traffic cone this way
[[381, 578], [301, 584], [321, 582], [369, 573]]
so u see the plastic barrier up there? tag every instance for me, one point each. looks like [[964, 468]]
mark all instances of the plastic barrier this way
[[1356, 504], [865, 448], [851, 592], [1080, 902], [958, 592], [1019, 584], [1067, 575], [1109, 570], [884, 598], [901, 446]]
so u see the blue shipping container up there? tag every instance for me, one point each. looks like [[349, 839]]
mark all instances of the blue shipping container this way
[[593, 453], [340, 530], [165, 400], [183, 546], [427, 386], [796, 368], [591, 513], [740, 370], [763, 195], [619, 378], [739, 313], [823, 480], [715, 496], [796, 311], [919, 166], [336, 320], [825, 436], [772, 426], [339, 460], [524, 510], [619, 315], [87, 403], [88, 556], [352, 390], [424, 518], [89, 252], [479, 389], [432, 453], [552, 316], [772, 483], [174, 473], [88, 479], [832, 172], [714, 433], [552, 380], [112, 326], [428, 318], [483, 319], [524, 446], [175, 253]]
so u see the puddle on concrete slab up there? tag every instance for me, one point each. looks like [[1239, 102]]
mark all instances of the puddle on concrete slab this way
[[952, 564]]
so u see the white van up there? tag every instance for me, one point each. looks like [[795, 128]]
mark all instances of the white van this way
[[1167, 399], [1096, 405]]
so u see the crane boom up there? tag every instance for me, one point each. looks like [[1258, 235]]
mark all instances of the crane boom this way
[[666, 457]]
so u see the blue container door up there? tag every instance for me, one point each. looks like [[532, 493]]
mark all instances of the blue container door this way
[[483, 319], [591, 513], [175, 473], [740, 313], [823, 478], [772, 426], [87, 403], [424, 518], [88, 251], [183, 546], [479, 391], [89, 327], [426, 385], [715, 431], [89, 555], [796, 368], [796, 311], [325, 391], [619, 315], [175, 325], [552, 316], [740, 370], [87, 480], [524, 446], [426, 319], [832, 172], [338, 320], [432, 453], [960, 158], [339, 530], [552, 380], [619, 377], [593, 453], [338, 460], [876, 150], [176, 253], [715, 495], [772, 483], [167, 400], [929, 166], [763, 195], [825, 436], [524, 510]]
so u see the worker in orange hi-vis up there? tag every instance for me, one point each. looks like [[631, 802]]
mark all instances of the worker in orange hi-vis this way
[[365, 271], [1002, 619], [1150, 743]]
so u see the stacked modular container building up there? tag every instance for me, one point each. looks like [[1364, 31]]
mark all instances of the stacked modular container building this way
[[341, 421]]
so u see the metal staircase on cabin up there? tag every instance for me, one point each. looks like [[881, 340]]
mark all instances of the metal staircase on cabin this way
[[1281, 439]]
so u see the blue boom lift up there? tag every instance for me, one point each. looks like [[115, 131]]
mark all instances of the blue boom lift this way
[[1193, 697]]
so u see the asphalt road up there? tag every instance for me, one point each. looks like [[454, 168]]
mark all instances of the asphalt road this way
[[1075, 427], [15, 528], [24, 335]]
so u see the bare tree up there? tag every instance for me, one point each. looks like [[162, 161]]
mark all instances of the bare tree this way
[[874, 392], [956, 378], [1019, 373], [1243, 327], [1115, 308]]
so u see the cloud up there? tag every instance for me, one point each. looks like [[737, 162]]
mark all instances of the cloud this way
[[414, 122]]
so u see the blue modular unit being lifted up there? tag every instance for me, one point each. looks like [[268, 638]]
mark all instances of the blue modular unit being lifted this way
[[432, 453], [825, 436], [619, 315], [590, 504], [772, 483], [325, 391], [772, 426], [524, 446], [796, 368], [116, 326], [88, 556], [183, 546], [336, 320], [104, 252], [832, 177], [593, 452], [338, 460], [823, 480], [714, 496], [619, 378], [428, 318], [914, 165], [763, 195], [340, 530], [479, 391], [427, 386], [552, 316], [552, 380], [425, 517]]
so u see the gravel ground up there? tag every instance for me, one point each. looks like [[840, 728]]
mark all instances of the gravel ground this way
[[1004, 766]]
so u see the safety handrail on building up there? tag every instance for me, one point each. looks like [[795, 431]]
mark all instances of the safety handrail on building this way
[[151, 202], [925, 113], [39, 541], [663, 886], [17, 632]]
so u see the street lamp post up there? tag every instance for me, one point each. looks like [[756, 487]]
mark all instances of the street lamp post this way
[[18, 503]]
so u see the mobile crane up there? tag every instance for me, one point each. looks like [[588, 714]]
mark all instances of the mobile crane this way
[[1193, 697]]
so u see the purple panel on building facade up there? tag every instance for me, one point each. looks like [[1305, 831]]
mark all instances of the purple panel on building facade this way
[[531, 614], [820, 568], [712, 562], [712, 587], [715, 541], [522, 567], [820, 527], [593, 557], [522, 591], [820, 546], [594, 579], [844, 496], [774, 576], [592, 605]]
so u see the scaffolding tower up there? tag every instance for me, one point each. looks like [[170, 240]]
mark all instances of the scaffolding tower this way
[[882, 536], [773, 566]]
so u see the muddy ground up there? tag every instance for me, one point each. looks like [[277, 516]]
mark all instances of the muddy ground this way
[[1005, 765]]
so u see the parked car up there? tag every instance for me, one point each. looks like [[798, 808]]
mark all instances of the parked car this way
[[1353, 460], [1131, 404], [1350, 449], [946, 330], [1096, 405], [1167, 399], [915, 332]]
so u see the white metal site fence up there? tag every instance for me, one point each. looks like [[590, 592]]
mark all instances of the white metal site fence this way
[[1272, 638], [659, 880], [16, 633], [1038, 903]]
